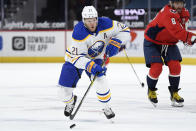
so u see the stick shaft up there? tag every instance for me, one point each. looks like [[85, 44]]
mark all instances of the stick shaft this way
[[78, 107], [133, 68]]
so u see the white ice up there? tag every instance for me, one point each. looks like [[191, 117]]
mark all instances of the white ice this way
[[29, 101]]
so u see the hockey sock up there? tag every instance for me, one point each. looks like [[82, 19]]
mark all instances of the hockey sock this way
[[151, 83], [69, 101], [66, 94], [102, 90], [154, 72], [174, 77], [174, 67], [174, 82], [104, 97]]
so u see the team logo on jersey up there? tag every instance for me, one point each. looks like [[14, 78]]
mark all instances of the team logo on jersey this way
[[96, 48], [173, 11], [122, 26]]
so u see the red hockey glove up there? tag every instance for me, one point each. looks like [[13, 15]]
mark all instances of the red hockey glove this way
[[184, 15], [191, 39]]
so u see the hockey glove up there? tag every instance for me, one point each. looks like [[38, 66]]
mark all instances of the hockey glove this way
[[113, 47], [122, 47], [95, 69], [184, 15], [191, 39]]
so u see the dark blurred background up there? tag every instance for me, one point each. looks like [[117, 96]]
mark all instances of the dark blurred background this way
[[64, 14]]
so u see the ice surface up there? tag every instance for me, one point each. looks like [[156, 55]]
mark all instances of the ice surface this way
[[29, 101]]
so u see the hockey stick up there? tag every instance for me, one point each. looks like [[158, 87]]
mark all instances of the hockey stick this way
[[141, 83], [74, 114]]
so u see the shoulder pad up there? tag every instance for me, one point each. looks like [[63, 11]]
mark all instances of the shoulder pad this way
[[104, 23], [80, 32], [173, 13]]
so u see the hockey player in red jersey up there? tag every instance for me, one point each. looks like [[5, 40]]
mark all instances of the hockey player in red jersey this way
[[161, 36]]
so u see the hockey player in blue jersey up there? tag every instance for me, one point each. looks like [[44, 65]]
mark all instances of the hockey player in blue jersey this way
[[92, 38]]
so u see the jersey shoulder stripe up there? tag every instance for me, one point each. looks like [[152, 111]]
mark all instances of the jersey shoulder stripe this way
[[80, 33]]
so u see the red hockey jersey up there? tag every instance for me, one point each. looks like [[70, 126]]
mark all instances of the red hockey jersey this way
[[168, 27]]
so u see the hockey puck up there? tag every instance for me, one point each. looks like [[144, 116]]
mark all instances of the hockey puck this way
[[72, 126], [142, 84]]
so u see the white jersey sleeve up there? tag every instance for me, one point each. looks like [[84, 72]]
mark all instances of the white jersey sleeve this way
[[121, 32]]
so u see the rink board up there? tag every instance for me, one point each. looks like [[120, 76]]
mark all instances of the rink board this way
[[49, 46]]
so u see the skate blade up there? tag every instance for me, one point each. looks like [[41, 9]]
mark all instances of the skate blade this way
[[111, 120], [154, 104], [175, 104]]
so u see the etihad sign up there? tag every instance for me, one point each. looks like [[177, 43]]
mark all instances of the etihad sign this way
[[129, 12]]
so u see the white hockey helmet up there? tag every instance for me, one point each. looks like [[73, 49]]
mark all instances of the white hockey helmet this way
[[89, 12]]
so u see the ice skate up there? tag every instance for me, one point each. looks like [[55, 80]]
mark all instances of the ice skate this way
[[152, 96], [108, 112], [69, 107], [176, 100]]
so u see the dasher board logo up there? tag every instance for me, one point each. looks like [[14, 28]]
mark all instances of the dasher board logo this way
[[18, 43]]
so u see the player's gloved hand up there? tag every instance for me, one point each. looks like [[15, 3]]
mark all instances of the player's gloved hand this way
[[113, 47], [191, 40], [185, 14], [94, 69], [122, 47]]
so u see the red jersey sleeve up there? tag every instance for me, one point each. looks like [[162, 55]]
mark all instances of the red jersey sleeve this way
[[184, 15], [175, 28]]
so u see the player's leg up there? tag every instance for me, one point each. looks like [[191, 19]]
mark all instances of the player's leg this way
[[173, 59], [104, 95], [103, 92], [153, 61], [68, 80], [152, 79]]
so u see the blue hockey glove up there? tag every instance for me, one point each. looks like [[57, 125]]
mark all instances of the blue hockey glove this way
[[113, 47], [94, 69]]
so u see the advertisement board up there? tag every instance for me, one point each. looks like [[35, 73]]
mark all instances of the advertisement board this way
[[134, 18], [21, 44], [50, 46]]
